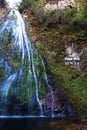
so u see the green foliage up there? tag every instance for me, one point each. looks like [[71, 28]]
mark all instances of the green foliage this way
[[53, 18], [74, 84], [85, 10], [39, 13], [60, 27]]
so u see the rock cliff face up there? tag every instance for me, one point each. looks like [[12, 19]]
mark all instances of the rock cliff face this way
[[2, 3], [61, 4], [62, 107]]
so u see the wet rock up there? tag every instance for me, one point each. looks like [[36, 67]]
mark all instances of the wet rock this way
[[2, 3], [61, 106]]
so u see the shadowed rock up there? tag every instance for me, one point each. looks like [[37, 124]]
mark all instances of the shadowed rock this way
[[62, 106]]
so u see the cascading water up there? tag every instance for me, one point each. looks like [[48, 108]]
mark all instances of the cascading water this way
[[23, 79]]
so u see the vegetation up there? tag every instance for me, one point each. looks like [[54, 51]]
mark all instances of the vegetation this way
[[53, 29], [50, 31]]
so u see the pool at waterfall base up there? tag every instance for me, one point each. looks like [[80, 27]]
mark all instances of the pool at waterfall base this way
[[38, 123]]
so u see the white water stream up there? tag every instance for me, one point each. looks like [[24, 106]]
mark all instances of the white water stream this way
[[27, 73]]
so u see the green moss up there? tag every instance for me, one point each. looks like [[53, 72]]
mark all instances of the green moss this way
[[24, 87], [72, 82]]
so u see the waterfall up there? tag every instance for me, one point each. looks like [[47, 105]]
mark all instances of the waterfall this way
[[24, 81]]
